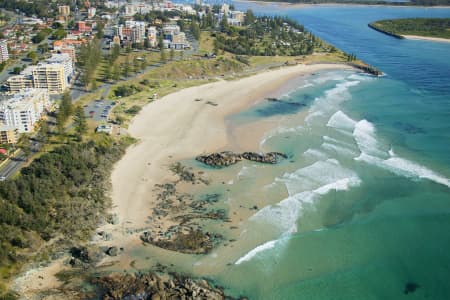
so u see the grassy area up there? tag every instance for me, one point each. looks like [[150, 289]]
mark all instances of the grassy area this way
[[166, 79], [206, 43], [437, 27]]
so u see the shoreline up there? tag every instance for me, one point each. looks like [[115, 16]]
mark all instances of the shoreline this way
[[426, 38], [194, 128], [177, 127], [305, 5]]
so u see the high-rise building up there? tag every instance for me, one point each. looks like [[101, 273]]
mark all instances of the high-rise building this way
[[4, 55], [22, 81], [64, 10], [91, 12], [65, 60], [8, 134], [21, 111], [51, 77], [137, 30]]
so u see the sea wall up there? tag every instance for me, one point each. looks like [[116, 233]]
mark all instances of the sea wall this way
[[374, 27]]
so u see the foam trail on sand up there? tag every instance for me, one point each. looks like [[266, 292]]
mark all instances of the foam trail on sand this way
[[255, 251], [314, 153], [339, 149]]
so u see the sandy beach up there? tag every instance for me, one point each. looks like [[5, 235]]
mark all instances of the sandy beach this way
[[426, 38], [180, 126]]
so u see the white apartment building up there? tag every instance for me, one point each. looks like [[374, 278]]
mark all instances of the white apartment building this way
[[91, 12], [137, 30], [4, 55], [65, 60], [22, 81], [54, 75], [21, 111], [51, 77], [152, 36]]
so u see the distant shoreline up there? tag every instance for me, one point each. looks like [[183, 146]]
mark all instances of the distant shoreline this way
[[305, 5], [426, 38]]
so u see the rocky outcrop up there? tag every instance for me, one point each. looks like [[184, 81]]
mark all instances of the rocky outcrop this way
[[228, 158], [221, 159], [84, 256], [268, 158], [152, 286]]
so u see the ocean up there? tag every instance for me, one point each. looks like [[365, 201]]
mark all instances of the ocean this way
[[361, 208]]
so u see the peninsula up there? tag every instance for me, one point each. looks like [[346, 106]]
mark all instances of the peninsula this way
[[436, 29]]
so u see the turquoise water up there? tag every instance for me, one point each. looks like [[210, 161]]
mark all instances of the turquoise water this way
[[367, 209]]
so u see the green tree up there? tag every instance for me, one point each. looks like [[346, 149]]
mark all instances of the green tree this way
[[161, 48], [66, 106], [59, 34], [61, 122], [126, 68], [195, 30], [224, 27], [17, 70], [108, 73], [42, 134], [33, 56], [249, 17], [25, 146], [89, 57], [116, 72], [115, 52], [80, 123]]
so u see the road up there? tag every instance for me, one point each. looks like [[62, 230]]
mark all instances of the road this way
[[13, 166], [97, 109]]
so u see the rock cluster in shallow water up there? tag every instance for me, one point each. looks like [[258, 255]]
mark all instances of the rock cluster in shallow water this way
[[228, 158]]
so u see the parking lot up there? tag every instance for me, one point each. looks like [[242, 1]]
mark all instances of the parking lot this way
[[99, 110]]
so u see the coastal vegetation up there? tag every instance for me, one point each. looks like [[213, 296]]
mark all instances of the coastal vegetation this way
[[426, 27], [59, 199], [266, 36], [371, 2]]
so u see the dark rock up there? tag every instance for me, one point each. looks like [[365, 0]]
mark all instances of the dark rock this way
[[227, 158], [221, 159], [83, 256], [112, 219], [410, 287], [112, 251]]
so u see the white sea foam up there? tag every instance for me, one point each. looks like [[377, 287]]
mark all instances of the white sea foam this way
[[339, 149], [341, 121], [330, 101], [339, 185], [315, 175], [361, 77], [404, 167], [411, 169], [305, 186], [255, 251], [313, 115], [328, 77], [364, 134], [244, 172], [336, 141], [315, 154]]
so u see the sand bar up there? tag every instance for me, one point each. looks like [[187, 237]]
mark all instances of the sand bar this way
[[426, 38]]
